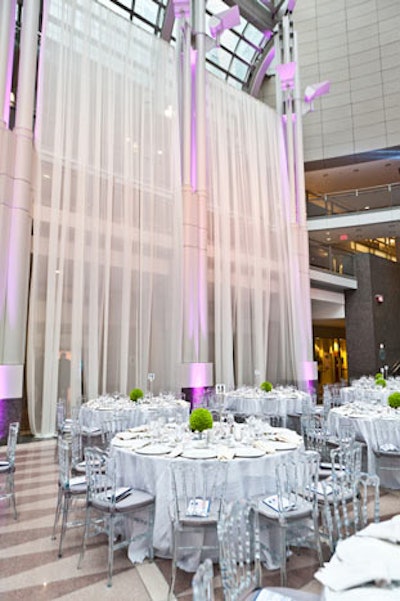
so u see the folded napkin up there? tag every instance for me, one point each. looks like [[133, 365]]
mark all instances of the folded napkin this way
[[139, 429], [176, 451], [365, 593], [340, 575], [285, 435], [125, 435], [359, 561], [225, 453], [265, 446], [267, 595], [388, 530]]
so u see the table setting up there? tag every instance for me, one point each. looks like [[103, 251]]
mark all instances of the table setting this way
[[280, 400], [137, 412], [364, 418], [144, 455], [365, 566]]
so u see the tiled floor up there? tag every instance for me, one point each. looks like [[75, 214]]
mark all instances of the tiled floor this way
[[30, 568]]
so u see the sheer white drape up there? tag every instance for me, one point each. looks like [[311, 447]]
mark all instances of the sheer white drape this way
[[106, 272], [106, 286], [261, 291]]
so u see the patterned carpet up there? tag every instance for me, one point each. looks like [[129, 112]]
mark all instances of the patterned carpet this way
[[29, 563]]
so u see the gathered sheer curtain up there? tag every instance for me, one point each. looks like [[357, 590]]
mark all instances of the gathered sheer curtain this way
[[262, 314], [106, 302]]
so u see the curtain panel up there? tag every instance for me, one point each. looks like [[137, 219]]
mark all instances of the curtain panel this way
[[105, 303], [106, 286], [262, 313]]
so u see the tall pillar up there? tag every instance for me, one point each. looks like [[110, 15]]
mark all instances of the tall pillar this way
[[7, 34], [21, 218]]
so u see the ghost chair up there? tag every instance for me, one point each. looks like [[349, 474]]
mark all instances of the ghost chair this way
[[109, 506], [7, 467]]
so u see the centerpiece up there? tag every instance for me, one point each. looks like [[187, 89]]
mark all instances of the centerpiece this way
[[136, 394], [266, 386], [394, 400]]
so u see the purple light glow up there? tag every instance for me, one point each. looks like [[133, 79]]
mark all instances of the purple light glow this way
[[286, 73], [7, 98]]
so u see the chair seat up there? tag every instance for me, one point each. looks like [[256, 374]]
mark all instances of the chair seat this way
[[198, 522], [135, 500], [302, 509], [6, 467], [80, 468]]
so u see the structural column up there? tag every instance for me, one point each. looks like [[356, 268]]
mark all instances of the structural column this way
[[21, 219], [7, 35]]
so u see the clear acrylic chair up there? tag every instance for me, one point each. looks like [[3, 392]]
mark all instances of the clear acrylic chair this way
[[7, 467], [202, 583], [239, 551], [71, 494], [77, 460], [110, 427], [386, 450], [239, 536], [345, 508], [108, 505], [293, 509], [198, 496]]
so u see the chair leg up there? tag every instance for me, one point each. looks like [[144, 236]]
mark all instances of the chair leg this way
[[283, 556], [173, 565], [12, 495], [85, 535], [64, 523], [110, 550], [58, 510]]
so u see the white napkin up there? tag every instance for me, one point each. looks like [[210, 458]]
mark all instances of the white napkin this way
[[225, 453], [265, 446], [138, 429], [285, 435], [125, 435], [365, 593], [176, 451], [388, 530], [340, 575]]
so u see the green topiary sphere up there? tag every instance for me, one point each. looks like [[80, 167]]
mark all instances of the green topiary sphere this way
[[200, 419], [380, 382], [394, 400], [378, 375], [136, 394], [266, 386]]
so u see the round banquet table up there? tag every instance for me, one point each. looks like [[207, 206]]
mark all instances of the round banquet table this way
[[363, 417], [246, 478], [95, 412], [253, 401]]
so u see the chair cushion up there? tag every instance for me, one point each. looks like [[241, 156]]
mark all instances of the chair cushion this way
[[5, 466], [303, 509], [135, 500]]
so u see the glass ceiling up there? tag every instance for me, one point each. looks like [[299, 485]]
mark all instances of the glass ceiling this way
[[240, 48]]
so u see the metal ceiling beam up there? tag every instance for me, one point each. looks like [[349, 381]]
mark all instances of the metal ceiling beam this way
[[254, 13], [169, 20]]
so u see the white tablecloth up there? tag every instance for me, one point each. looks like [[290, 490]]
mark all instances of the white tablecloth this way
[[95, 412], [362, 417], [371, 556], [246, 478], [256, 402]]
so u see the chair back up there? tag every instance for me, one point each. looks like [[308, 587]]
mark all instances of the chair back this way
[[12, 438], [100, 477], [110, 427], [198, 490], [387, 436], [345, 508], [346, 464], [297, 480], [316, 438], [61, 414], [239, 550], [64, 467], [202, 583], [76, 444]]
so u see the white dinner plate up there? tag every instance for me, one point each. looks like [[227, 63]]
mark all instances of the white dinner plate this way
[[199, 454], [249, 452], [154, 449], [124, 444], [283, 446]]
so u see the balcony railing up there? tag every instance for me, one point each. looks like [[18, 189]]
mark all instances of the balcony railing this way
[[353, 201], [334, 260]]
